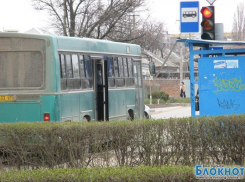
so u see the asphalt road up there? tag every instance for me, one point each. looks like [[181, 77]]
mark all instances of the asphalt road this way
[[171, 112]]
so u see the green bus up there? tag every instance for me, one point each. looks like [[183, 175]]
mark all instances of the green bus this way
[[55, 78]]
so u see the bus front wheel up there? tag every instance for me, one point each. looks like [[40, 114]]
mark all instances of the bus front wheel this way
[[146, 115]]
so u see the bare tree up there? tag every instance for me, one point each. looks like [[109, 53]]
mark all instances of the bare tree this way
[[126, 30], [87, 18], [238, 29], [154, 36]]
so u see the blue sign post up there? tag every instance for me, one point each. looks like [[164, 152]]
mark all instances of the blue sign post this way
[[189, 17]]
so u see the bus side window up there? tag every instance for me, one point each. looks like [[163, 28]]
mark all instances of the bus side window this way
[[125, 66], [69, 66], [120, 66], [110, 68], [120, 82], [62, 66], [130, 68], [81, 62], [74, 82], [116, 66], [130, 80], [75, 66], [87, 80], [62, 72], [88, 67]]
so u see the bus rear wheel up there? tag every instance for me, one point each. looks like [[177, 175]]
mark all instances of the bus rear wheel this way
[[130, 115], [86, 118]]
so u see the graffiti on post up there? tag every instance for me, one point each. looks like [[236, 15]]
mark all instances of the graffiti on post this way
[[232, 84], [228, 104], [192, 93]]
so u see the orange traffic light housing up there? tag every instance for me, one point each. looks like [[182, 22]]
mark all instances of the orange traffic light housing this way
[[208, 23]]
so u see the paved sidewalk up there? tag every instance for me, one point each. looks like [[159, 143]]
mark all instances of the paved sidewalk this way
[[178, 111], [168, 105]]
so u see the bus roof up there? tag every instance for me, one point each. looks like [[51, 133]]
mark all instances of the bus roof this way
[[96, 45], [83, 44]]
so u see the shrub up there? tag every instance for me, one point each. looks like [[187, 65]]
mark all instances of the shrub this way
[[172, 100], [175, 141], [179, 100], [183, 100], [117, 174], [159, 95]]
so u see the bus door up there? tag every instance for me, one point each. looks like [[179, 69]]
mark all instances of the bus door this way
[[139, 100], [100, 89]]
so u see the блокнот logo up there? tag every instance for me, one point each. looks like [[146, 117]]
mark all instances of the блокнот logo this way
[[218, 172]]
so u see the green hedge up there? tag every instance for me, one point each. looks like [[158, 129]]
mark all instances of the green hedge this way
[[184, 141], [117, 174], [179, 100]]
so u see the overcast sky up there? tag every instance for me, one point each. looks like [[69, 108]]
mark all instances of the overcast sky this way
[[19, 14]]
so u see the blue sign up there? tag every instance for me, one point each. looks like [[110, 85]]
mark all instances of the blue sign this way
[[189, 17], [221, 85]]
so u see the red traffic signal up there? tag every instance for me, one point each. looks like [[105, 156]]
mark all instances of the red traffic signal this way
[[207, 12], [208, 23]]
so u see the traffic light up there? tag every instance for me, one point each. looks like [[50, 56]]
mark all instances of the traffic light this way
[[208, 23]]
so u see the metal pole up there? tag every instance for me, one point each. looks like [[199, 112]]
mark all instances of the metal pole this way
[[166, 59], [150, 96], [134, 26], [181, 62], [151, 78]]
